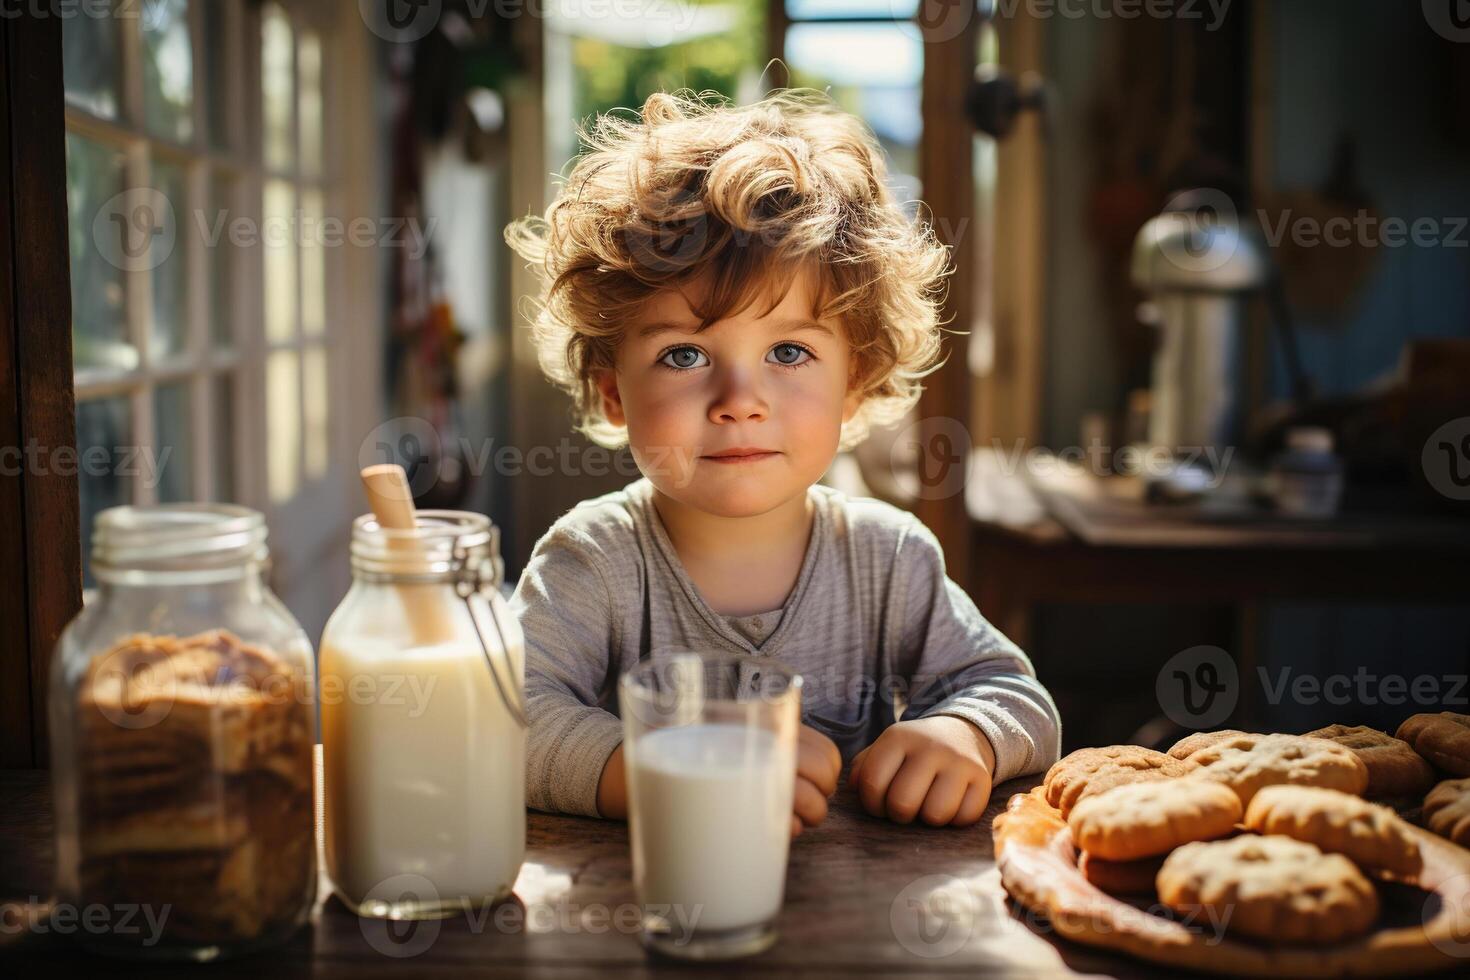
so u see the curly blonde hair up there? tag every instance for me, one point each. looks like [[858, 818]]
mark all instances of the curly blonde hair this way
[[745, 195]]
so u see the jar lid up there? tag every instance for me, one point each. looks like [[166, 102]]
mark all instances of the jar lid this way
[[177, 538], [445, 546], [1309, 439]]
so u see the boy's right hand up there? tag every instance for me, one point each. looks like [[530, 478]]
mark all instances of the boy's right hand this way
[[818, 764]]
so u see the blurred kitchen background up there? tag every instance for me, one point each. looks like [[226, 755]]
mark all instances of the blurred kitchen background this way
[[333, 177]]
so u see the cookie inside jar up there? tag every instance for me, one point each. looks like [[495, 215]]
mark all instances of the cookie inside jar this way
[[195, 789]]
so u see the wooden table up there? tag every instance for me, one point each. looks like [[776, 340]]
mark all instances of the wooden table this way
[[1066, 539], [863, 896]]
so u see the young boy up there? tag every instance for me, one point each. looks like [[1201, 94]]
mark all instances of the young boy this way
[[733, 292]]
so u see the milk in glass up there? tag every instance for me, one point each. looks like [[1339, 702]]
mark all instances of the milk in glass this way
[[711, 821]]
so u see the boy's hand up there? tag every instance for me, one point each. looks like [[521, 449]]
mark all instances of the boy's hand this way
[[935, 768], [818, 764]]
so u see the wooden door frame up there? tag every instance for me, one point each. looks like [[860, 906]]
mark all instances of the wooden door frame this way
[[1009, 406], [40, 547], [950, 30], [946, 172]]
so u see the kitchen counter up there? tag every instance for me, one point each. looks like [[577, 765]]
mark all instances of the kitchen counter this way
[[863, 896]]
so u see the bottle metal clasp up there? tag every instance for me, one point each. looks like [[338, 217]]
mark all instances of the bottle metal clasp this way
[[472, 581]]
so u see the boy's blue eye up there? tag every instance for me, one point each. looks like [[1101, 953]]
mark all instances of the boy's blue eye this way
[[790, 355], [683, 358]]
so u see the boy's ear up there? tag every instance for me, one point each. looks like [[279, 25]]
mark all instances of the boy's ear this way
[[612, 402], [854, 399]]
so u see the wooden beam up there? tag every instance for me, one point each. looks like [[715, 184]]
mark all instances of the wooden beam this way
[[775, 76], [1011, 396], [15, 667], [40, 559], [946, 150], [1260, 157], [527, 188]]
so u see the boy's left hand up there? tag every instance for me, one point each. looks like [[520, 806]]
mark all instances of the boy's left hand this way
[[936, 768]]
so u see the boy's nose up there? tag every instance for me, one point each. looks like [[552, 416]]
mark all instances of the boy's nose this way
[[739, 400]]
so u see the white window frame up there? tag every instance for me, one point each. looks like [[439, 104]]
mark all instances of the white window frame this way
[[316, 520], [242, 163]]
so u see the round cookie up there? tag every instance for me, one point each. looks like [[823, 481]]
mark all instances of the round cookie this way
[[1190, 744], [1142, 820], [1274, 889], [1120, 877], [1249, 763], [1090, 771], [1372, 836], [1394, 768], [1447, 811], [1443, 739]]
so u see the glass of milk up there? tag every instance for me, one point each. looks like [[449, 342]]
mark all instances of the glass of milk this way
[[710, 749]]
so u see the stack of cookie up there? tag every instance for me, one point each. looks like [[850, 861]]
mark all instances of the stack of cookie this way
[[1267, 833], [1424, 764], [195, 788], [1398, 776], [1114, 864], [1443, 740]]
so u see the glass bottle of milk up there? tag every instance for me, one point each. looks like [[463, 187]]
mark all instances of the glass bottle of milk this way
[[423, 726]]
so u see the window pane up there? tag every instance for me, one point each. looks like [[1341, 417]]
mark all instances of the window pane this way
[[89, 61], [169, 305], [313, 265], [283, 424], [309, 61], [222, 260], [818, 9], [217, 80], [276, 86], [175, 453], [859, 56], [278, 236], [168, 70], [94, 176], [316, 421], [222, 438], [873, 71], [104, 428]]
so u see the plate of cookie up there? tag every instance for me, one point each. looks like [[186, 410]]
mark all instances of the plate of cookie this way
[[1338, 852]]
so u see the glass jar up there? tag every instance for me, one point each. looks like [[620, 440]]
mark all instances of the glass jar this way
[[182, 725], [1306, 479], [423, 722]]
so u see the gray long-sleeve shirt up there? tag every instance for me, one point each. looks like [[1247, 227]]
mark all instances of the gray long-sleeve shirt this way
[[877, 630]]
